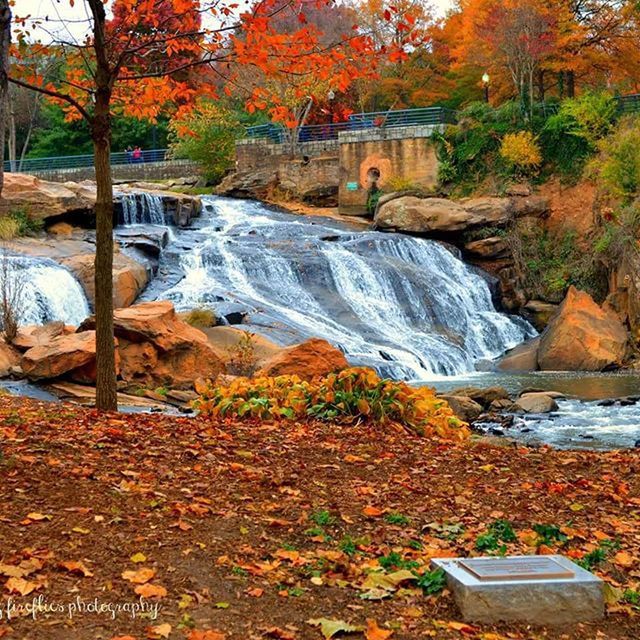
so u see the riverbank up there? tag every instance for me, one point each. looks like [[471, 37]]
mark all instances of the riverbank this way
[[252, 529]]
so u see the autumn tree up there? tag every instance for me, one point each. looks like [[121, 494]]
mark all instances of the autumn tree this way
[[144, 58]]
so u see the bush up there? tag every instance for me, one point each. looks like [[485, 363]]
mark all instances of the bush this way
[[207, 136], [570, 136], [243, 360], [521, 151], [617, 167], [200, 318], [18, 223], [351, 395]]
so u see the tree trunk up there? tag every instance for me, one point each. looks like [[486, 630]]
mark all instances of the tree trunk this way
[[106, 390], [5, 43], [571, 84]]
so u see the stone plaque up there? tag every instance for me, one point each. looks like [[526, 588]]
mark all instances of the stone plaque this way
[[519, 568]]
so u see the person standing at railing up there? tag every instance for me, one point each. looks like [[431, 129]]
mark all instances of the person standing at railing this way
[[129, 153], [137, 154]]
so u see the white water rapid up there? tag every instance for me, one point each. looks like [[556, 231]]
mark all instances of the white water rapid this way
[[43, 291], [406, 306], [140, 207]]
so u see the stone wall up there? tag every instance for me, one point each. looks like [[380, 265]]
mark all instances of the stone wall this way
[[402, 152], [124, 172]]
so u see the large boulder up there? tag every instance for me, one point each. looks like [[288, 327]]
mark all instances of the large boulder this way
[[158, 349], [483, 397], [582, 337], [9, 358], [60, 355], [464, 408], [536, 402], [39, 335], [438, 215], [309, 359], [524, 357], [129, 277], [42, 199]]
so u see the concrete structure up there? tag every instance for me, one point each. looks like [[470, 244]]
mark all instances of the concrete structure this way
[[544, 590], [402, 153], [139, 172], [337, 171]]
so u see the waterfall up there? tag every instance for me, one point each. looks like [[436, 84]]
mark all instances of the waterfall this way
[[406, 306], [43, 290], [140, 207]]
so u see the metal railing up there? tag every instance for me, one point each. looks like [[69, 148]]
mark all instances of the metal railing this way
[[77, 162], [356, 122], [629, 104]]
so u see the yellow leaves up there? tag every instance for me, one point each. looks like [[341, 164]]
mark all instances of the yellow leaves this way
[[137, 558], [22, 586], [521, 150], [35, 517], [351, 394], [624, 559], [140, 576], [330, 628]]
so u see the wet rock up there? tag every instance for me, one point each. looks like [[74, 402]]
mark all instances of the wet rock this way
[[309, 359], [463, 407], [439, 215], [502, 404], [483, 397], [129, 277], [523, 358], [34, 335], [493, 248], [535, 403], [582, 337], [538, 313]]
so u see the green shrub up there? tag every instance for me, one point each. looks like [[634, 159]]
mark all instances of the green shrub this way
[[570, 136], [617, 166], [200, 318], [18, 223]]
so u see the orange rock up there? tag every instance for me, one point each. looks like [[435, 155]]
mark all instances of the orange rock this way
[[34, 335], [60, 355], [312, 358], [582, 337]]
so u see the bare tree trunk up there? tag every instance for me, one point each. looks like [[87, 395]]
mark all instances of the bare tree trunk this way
[[106, 390], [5, 43], [571, 84], [106, 387], [11, 142]]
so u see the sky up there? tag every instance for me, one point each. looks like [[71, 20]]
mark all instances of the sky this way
[[67, 20]]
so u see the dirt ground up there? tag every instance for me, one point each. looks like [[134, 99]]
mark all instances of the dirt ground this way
[[249, 531]]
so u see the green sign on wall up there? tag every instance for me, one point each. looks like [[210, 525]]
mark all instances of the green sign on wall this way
[[352, 186]]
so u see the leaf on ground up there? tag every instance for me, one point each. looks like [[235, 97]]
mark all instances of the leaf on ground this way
[[141, 576], [76, 567], [463, 627], [160, 631], [624, 559], [21, 586], [374, 632], [387, 581], [151, 591], [36, 517], [372, 512], [330, 628], [137, 558]]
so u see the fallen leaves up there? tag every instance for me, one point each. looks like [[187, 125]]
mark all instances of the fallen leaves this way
[[76, 567], [140, 576], [151, 591], [330, 628], [374, 632]]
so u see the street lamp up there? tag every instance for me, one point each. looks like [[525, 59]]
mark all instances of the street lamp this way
[[485, 84]]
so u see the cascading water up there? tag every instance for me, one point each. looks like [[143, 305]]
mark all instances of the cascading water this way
[[406, 306], [43, 291], [140, 207]]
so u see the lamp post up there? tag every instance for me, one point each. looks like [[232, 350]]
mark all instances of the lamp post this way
[[485, 84]]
